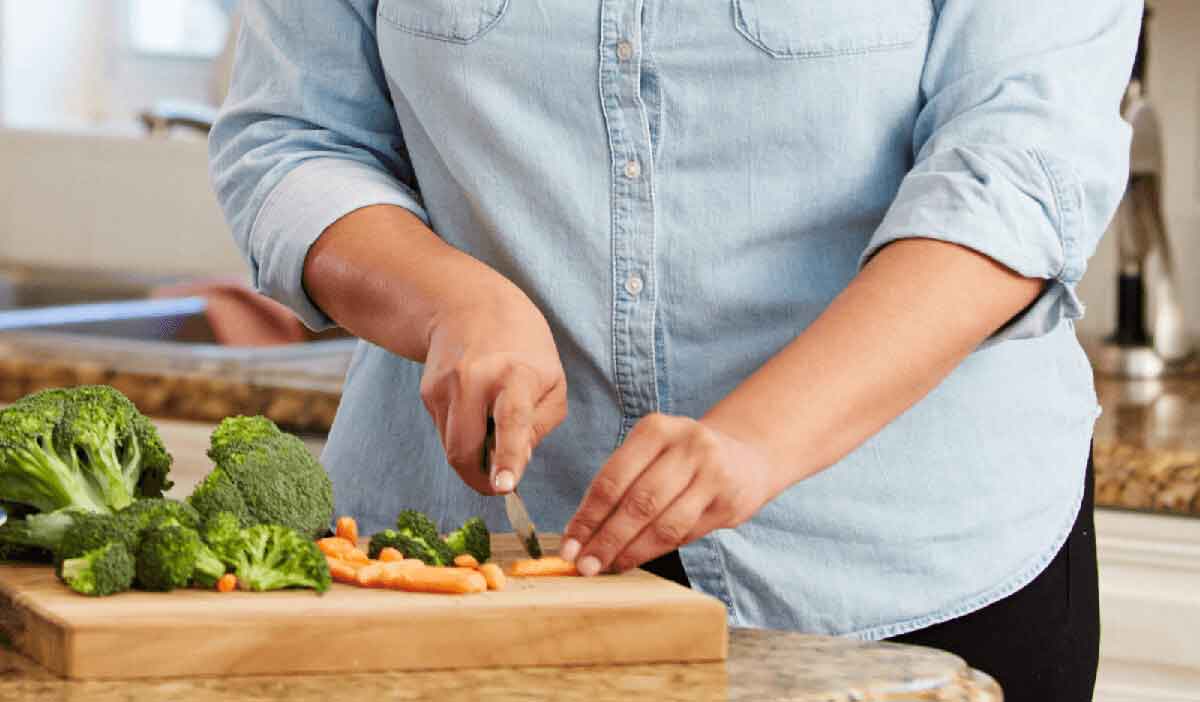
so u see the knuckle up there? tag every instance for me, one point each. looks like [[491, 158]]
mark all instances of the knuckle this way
[[641, 505], [605, 491], [670, 533], [704, 443], [606, 541], [512, 416], [583, 526]]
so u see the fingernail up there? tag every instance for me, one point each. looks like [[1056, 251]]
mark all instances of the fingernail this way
[[505, 481], [588, 566], [569, 550]]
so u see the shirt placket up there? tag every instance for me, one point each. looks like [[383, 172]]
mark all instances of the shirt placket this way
[[634, 285]]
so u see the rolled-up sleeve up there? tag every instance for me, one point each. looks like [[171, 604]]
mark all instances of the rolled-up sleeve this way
[[307, 134], [1020, 150]]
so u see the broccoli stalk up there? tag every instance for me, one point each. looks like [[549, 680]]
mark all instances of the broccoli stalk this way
[[104, 570], [275, 557], [37, 532], [471, 538]]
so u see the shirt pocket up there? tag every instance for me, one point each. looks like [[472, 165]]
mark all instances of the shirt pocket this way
[[456, 21], [800, 29]]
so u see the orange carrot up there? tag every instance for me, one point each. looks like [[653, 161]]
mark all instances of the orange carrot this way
[[342, 571], [347, 528], [466, 560], [370, 575], [549, 565], [227, 583], [444, 580], [334, 546], [493, 575], [392, 571], [389, 554], [355, 555]]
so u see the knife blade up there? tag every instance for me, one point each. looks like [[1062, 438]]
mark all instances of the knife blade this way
[[514, 506]]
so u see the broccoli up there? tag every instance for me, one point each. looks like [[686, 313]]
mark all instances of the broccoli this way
[[416, 536], [85, 448], [104, 570], [150, 512], [36, 535], [89, 532], [276, 479], [472, 538], [224, 536], [172, 555], [273, 557]]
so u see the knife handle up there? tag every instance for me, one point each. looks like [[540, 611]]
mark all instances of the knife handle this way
[[489, 446]]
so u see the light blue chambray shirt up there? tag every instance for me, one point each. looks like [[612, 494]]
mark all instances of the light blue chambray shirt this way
[[682, 187]]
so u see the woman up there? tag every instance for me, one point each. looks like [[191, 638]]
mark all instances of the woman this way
[[802, 270]]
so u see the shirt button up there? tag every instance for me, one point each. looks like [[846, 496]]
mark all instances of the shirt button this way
[[633, 284], [624, 50], [633, 169]]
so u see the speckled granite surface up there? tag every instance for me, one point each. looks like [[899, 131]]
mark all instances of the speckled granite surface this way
[[762, 666]]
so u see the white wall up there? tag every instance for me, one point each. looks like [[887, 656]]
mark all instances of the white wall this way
[[1174, 84]]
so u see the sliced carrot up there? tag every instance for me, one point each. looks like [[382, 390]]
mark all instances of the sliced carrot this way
[[334, 546], [444, 580], [549, 565], [493, 575], [227, 583], [370, 575], [466, 560], [389, 554], [356, 555], [347, 528], [342, 571]]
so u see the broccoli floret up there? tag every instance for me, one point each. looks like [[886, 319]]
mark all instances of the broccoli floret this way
[[104, 570], [147, 513], [223, 534], [277, 478], [433, 553], [471, 538], [275, 557], [89, 532], [172, 555], [86, 448]]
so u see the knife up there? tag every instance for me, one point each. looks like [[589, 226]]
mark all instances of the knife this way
[[514, 506]]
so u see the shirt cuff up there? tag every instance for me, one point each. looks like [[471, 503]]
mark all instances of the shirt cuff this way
[[312, 196], [1015, 206]]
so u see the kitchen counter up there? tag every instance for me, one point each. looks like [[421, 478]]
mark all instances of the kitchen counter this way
[[762, 666]]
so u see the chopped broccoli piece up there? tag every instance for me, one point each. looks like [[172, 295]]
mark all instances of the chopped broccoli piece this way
[[435, 554], [275, 477], [275, 557], [147, 513], [104, 570], [471, 538], [91, 531], [172, 555], [223, 534], [84, 449]]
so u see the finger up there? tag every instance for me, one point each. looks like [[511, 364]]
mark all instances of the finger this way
[[679, 524], [658, 486], [649, 438], [550, 411], [513, 412], [466, 424]]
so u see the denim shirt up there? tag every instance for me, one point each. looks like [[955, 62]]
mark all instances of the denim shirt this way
[[682, 188]]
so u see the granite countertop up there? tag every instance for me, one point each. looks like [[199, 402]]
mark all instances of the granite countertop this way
[[762, 666]]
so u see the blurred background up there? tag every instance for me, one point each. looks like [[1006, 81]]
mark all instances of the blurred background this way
[[116, 267]]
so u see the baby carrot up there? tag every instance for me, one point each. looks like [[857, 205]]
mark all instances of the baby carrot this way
[[466, 560], [392, 571], [444, 580], [370, 575], [227, 583], [355, 555], [342, 571], [347, 528], [493, 576], [334, 546], [390, 554], [549, 565]]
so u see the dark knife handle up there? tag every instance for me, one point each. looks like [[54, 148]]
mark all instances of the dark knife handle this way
[[489, 446]]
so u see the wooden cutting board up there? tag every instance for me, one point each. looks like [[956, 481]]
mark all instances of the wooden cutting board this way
[[631, 618]]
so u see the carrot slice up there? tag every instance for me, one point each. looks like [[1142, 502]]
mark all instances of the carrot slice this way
[[389, 554], [443, 580], [549, 565], [356, 555], [342, 571], [334, 546], [347, 529], [466, 560], [493, 576], [227, 583]]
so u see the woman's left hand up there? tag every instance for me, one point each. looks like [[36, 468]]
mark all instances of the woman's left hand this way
[[674, 480]]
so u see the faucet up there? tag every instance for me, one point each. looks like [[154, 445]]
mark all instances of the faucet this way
[[1151, 338]]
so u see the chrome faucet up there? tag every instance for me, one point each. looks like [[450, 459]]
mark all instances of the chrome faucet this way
[[1151, 338]]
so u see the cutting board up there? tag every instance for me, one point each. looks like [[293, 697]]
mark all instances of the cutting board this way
[[635, 617]]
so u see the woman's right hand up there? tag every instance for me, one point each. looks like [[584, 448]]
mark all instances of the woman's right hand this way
[[494, 356], [384, 276]]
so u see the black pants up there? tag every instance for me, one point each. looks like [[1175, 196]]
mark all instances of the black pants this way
[[1041, 643]]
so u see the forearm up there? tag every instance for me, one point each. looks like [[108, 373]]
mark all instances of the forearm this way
[[916, 310], [384, 276]]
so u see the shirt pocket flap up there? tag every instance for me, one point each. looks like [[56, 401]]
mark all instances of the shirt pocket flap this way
[[796, 29], [457, 21]]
